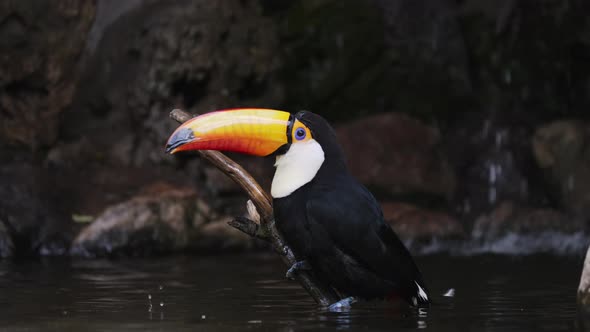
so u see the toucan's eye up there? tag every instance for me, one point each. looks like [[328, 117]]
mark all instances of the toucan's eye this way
[[299, 133]]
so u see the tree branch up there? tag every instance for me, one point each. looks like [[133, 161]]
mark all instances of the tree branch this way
[[265, 230]]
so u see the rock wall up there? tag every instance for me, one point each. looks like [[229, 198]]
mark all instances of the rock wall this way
[[39, 67], [467, 119]]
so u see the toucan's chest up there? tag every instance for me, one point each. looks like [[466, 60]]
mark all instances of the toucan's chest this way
[[301, 227], [291, 220]]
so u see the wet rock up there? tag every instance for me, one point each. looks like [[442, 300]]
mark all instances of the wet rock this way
[[413, 223], [494, 162], [31, 211], [218, 236], [162, 219], [561, 150], [510, 218], [584, 287], [195, 55], [39, 66], [395, 154]]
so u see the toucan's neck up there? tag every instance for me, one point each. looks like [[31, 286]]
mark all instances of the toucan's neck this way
[[335, 163], [296, 168], [333, 167], [304, 163]]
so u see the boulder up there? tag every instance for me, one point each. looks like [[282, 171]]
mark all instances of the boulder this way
[[160, 220], [395, 154], [33, 220], [39, 66], [149, 223], [561, 150], [217, 236], [412, 223], [510, 218]]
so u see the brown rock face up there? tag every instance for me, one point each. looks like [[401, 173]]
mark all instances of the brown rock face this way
[[413, 223], [509, 218], [196, 55], [40, 45], [394, 153], [561, 150], [161, 220]]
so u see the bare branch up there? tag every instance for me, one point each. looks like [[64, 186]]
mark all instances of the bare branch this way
[[324, 295], [249, 227]]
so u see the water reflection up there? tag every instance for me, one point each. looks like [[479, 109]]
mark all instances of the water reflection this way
[[494, 293]]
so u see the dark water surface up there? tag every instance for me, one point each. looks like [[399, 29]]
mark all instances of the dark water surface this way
[[226, 293]]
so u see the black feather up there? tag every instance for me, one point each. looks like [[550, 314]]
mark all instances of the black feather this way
[[336, 224]]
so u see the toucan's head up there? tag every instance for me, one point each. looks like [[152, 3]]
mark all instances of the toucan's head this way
[[301, 142]]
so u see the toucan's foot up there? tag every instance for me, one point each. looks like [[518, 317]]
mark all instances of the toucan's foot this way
[[343, 304], [298, 266]]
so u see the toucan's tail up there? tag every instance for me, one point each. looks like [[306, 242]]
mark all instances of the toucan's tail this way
[[421, 298]]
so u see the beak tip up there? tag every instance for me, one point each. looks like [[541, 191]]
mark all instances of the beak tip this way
[[178, 139]]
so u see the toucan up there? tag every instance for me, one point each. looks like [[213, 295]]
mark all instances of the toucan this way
[[330, 220]]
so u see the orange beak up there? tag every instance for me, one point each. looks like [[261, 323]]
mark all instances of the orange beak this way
[[254, 131]]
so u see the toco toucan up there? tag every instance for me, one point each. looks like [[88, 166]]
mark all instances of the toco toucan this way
[[330, 220]]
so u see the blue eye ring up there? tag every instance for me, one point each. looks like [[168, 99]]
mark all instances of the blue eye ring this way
[[300, 133]]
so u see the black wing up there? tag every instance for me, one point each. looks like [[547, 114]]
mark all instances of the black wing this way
[[353, 219]]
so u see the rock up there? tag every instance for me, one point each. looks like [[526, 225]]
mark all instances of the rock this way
[[162, 219], [32, 211], [584, 287], [430, 74], [509, 218], [416, 224], [492, 159], [395, 154], [39, 66], [399, 55], [561, 150], [154, 222], [155, 56], [68, 154], [217, 236]]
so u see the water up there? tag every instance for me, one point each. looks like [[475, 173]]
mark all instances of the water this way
[[227, 293]]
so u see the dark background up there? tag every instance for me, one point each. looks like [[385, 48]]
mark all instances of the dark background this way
[[467, 119]]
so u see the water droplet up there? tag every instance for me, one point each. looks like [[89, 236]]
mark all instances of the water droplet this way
[[449, 293], [422, 324], [161, 304], [149, 296], [422, 312], [160, 287], [203, 316]]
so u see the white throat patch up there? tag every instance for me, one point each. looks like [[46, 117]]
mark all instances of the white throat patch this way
[[296, 167]]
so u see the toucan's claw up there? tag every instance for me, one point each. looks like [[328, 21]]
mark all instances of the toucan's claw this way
[[342, 305], [298, 266]]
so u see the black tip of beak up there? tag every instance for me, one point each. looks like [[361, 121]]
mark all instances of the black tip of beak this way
[[180, 137]]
